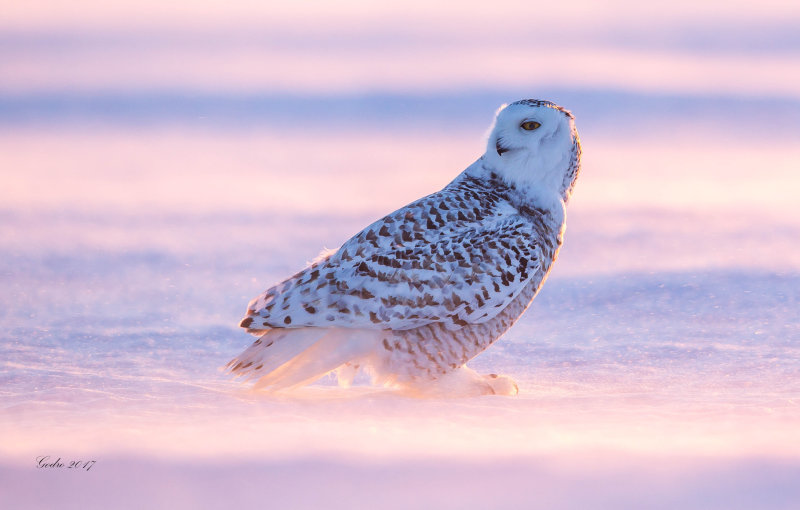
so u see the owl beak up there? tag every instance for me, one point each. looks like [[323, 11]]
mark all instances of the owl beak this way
[[500, 148]]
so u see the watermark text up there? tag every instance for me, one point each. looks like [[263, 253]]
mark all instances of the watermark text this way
[[48, 462]]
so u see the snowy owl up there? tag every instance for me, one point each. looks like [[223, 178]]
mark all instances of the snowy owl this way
[[415, 295]]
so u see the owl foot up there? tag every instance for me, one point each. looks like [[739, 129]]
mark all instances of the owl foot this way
[[465, 382], [501, 385]]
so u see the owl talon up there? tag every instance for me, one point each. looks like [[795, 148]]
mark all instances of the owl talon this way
[[501, 385]]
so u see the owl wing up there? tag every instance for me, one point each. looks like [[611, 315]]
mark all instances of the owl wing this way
[[457, 257]]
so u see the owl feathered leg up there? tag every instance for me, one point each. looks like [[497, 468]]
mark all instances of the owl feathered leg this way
[[462, 382], [430, 360]]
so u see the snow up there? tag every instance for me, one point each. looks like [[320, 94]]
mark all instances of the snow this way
[[658, 368]]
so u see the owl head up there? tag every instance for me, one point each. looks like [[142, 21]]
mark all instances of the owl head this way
[[534, 146]]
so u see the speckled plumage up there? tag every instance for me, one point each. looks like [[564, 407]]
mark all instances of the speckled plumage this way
[[421, 291]]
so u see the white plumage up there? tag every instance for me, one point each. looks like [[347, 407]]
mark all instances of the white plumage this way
[[414, 296]]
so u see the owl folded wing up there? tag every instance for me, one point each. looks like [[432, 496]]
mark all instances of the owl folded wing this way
[[453, 257]]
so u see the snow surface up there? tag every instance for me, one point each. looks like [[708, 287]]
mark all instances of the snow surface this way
[[658, 368]]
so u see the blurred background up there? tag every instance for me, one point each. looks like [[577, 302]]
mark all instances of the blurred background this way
[[163, 163]]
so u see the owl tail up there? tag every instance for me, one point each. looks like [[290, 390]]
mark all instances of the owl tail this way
[[285, 358]]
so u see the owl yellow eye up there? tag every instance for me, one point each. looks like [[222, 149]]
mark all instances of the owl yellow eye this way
[[530, 125]]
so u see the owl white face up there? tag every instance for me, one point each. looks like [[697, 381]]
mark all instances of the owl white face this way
[[532, 145]]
